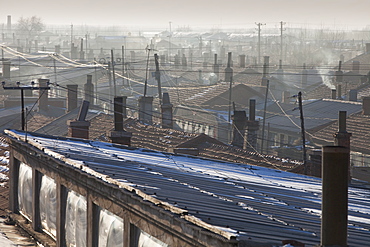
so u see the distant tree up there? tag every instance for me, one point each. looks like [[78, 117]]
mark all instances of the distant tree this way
[[30, 27]]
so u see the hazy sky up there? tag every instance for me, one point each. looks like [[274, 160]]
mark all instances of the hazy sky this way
[[194, 13]]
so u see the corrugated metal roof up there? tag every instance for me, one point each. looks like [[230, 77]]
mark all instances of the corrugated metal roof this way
[[256, 203]]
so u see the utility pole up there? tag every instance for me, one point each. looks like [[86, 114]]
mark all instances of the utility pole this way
[[23, 118], [303, 132], [158, 77], [169, 45], [114, 73], [259, 41], [146, 71], [123, 65], [264, 116], [281, 39], [55, 77]]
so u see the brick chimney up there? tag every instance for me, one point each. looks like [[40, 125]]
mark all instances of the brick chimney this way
[[89, 90], [239, 123], [119, 135], [366, 105], [252, 127], [228, 70], [79, 128], [356, 67], [166, 108], [145, 109], [71, 97], [43, 95]]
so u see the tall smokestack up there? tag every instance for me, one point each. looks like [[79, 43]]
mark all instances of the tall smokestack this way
[[216, 67]]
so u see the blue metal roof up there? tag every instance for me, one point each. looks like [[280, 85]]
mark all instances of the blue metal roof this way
[[254, 203]]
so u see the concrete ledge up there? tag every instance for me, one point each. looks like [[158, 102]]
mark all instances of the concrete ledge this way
[[41, 237]]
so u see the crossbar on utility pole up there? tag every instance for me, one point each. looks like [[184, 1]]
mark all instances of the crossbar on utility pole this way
[[23, 119]]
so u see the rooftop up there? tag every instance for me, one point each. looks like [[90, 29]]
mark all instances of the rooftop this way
[[249, 202]]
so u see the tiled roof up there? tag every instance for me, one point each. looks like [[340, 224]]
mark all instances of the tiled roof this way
[[357, 124], [159, 139]]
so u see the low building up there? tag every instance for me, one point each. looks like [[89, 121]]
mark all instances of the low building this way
[[82, 192]]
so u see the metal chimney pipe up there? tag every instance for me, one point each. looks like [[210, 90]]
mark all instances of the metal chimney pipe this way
[[252, 109]]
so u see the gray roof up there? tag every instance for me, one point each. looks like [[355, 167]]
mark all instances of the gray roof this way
[[253, 203], [316, 114]]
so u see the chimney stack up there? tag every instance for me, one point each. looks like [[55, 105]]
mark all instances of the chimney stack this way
[[9, 23], [339, 90], [239, 122], [89, 90], [280, 71], [166, 108], [79, 128], [216, 67], [333, 94], [353, 95], [242, 61], [367, 47], [119, 135], [252, 127], [71, 97], [145, 109], [228, 70], [43, 95], [366, 105], [6, 70], [334, 206], [342, 137]]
